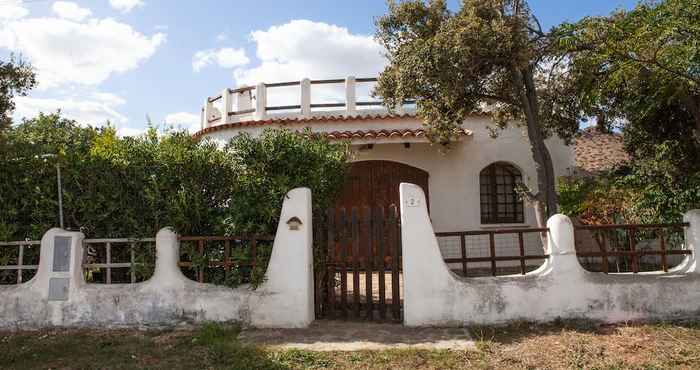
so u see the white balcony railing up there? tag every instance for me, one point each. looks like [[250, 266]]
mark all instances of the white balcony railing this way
[[253, 103]]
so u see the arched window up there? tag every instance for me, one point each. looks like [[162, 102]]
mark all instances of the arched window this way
[[500, 204]]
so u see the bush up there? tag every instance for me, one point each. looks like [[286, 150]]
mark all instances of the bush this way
[[112, 187], [131, 187], [596, 200], [278, 161]]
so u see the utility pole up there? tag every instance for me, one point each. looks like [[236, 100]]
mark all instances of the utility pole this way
[[60, 194]]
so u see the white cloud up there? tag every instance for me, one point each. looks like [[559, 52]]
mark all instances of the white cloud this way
[[108, 98], [70, 10], [68, 52], [126, 6], [95, 109], [184, 120], [225, 58], [12, 9], [305, 49], [316, 50], [221, 37]]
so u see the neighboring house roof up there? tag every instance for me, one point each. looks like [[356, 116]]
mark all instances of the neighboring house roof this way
[[597, 151]]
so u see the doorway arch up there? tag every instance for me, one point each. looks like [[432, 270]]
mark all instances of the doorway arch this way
[[376, 183]]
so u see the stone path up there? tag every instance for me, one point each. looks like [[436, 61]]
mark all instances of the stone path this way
[[326, 335]]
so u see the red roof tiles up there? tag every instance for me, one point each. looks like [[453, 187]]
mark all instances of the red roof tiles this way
[[385, 134], [598, 151], [293, 120]]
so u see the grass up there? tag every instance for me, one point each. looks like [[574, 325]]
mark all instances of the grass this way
[[562, 345]]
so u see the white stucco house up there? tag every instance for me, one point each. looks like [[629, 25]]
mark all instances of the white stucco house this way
[[468, 187]]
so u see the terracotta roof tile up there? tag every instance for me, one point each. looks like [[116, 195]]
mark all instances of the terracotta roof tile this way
[[596, 151], [293, 120], [385, 134]]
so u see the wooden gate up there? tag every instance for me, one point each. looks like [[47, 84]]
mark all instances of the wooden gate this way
[[361, 274]]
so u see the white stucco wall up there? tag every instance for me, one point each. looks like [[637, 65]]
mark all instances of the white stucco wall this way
[[433, 295], [285, 299], [454, 174]]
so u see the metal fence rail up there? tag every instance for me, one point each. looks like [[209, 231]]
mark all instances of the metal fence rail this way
[[621, 242], [217, 255], [19, 265], [493, 257], [100, 260]]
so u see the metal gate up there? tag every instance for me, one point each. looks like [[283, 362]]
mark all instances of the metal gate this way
[[359, 273]]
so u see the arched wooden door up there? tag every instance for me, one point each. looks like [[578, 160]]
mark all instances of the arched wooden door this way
[[376, 183]]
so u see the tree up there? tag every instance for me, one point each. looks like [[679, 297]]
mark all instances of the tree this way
[[490, 56], [630, 65], [640, 71], [16, 78]]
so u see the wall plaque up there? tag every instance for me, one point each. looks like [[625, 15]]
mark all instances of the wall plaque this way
[[58, 289], [61, 253]]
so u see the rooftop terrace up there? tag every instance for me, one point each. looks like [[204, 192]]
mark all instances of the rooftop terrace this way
[[305, 99]]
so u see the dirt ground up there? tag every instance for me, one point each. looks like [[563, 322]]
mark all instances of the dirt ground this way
[[329, 336], [563, 345]]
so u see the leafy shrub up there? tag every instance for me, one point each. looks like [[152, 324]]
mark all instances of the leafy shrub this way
[[596, 200], [131, 187], [279, 160]]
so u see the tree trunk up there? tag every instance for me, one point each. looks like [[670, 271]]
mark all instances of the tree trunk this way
[[692, 103], [546, 198]]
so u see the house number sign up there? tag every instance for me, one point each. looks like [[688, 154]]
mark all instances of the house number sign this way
[[412, 202]]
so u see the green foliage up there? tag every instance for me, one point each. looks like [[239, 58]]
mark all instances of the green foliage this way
[[639, 71], [131, 187], [606, 199], [667, 184], [632, 197], [279, 160], [16, 78], [112, 187], [458, 63], [632, 65], [491, 57], [572, 193]]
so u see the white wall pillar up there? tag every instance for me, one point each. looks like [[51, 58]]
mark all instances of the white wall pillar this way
[[426, 277], [692, 239], [260, 102], [306, 97], [64, 262], [350, 96], [244, 100], [227, 105], [167, 272], [208, 113], [286, 299], [562, 248], [59, 277]]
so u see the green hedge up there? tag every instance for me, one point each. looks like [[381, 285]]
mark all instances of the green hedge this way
[[133, 186]]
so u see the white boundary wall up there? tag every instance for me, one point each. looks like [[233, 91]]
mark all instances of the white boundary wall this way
[[59, 296], [561, 288]]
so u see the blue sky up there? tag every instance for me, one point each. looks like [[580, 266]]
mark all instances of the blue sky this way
[[120, 60]]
